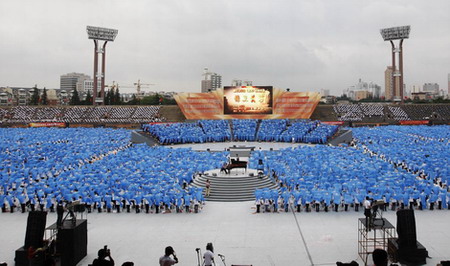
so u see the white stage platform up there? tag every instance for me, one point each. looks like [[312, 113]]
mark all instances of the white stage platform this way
[[220, 146], [236, 232]]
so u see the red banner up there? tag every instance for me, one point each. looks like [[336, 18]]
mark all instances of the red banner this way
[[414, 122], [47, 124], [338, 123]]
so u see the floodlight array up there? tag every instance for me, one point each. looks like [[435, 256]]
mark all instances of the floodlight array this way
[[395, 33], [104, 34]]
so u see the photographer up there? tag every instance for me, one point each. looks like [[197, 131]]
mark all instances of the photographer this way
[[102, 255], [166, 260]]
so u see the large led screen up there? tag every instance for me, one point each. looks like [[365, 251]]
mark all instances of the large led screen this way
[[247, 100]]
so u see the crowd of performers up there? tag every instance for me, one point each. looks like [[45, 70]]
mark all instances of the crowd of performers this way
[[131, 178], [271, 200], [403, 166], [189, 200], [281, 130], [396, 165]]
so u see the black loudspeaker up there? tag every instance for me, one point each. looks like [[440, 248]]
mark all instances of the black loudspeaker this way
[[406, 229], [72, 242], [34, 235]]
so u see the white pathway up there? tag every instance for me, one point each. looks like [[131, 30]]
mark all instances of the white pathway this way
[[243, 237]]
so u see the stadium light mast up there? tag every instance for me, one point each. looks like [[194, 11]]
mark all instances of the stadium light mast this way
[[100, 34], [392, 34]]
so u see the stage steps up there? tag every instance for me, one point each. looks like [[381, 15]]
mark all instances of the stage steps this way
[[237, 186]]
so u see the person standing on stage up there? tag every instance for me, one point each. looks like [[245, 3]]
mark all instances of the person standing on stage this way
[[224, 168]]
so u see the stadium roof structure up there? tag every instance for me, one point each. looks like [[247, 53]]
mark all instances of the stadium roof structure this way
[[395, 33], [104, 34]]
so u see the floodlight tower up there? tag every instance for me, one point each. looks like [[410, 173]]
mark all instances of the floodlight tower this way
[[100, 34], [391, 34]]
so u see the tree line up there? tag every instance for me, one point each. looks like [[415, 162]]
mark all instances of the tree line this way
[[112, 97]]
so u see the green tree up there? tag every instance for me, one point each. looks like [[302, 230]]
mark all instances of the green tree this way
[[117, 97], [108, 97], [35, 97], [150, 100], [44, 100], [75, 99], [134, 100], [168, 101]]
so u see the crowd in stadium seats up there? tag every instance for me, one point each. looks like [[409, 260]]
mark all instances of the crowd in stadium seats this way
[[243, 130], [406, 167], [98, 167], [427, 111], [176, 133], [348, 112], [397, 113], [216, 130], [81, 114], [364, 111], [271, 129]]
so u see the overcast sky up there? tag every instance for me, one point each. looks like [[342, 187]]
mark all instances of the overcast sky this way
[[299, 44]]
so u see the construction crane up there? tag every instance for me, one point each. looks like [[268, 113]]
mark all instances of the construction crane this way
[[138, 85]]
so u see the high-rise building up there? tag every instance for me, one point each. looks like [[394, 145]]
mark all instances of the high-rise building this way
[[212, 81], [363, 90], [431, 88], [389, 92], [448, 88], [73, 81]]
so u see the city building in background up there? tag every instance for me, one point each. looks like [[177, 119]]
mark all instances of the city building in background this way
[[448, 88], [211, 81], [432, 88], [389, 87], [363, 90], [21, 96], [79, 81]]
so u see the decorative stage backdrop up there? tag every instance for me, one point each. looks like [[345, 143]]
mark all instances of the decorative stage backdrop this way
[[247, 102]]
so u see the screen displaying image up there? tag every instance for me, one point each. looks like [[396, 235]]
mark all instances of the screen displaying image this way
[[247, 100]]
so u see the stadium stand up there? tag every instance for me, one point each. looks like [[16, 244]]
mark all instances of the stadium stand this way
[[397, 113], [427, 111], [244, 129], [216, 130], [271, 129], [82, 114], [297, 131]]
